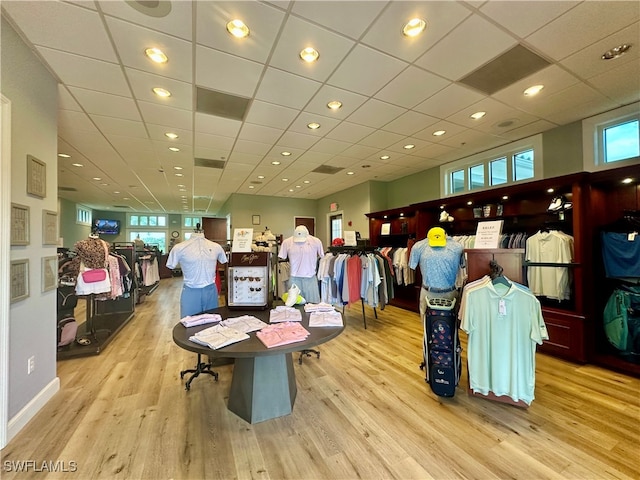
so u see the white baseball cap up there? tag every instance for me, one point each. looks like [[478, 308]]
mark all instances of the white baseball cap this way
[[300, 234]]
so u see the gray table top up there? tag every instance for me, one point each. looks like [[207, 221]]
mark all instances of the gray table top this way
[[252, 347]]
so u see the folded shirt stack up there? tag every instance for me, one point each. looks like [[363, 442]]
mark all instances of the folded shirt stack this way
[[200, 319], [282, 313], [283, 333], [218, 336], [325, 319], [318, 307], [244, 323]]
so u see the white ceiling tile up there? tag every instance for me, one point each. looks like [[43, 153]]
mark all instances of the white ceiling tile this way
[[168, 116], [260, 133], [361, 151], [300, 124], [216, 125], [349, 132], [350, 102], [472, 44], [297, 140], [270, 114], [143, 83], [448, 101], [411, 87], [410, 123], [526, 16], [70, 121], [241, 75], [374, 113], [157, 132], [106, 104], [355, 73], [381, 139], [208, 140], [247, 147], [120, 126], [347, 17], [286, 89], [326, 145]]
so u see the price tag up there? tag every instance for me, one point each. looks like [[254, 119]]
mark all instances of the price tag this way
[[502, 307], [632, 236]]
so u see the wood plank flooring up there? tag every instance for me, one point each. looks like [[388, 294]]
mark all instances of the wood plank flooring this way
[[362, 410]]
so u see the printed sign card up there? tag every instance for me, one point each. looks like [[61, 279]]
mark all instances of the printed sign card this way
[[488, 234], [242, 239]]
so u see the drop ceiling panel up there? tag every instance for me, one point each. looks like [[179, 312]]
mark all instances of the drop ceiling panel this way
[[327, 145], [374, 113], [175, 20], [299, 34], [246, 147], [166, 116], [271, 115], [58, 25], [448, 101], [84, 72], [132, 40], [66, 100], [218, 125], [381, 139], [246, 158], [69, 121], [157, 132], [120, 126], [292, 139], [616, 87], [525, 17], [143, 83], [475, 42], [350, 102], [351, 18], [411, 87], [260, 134], [219, 142], [349, 132], [106, 104], [360, 151], [286, 89], [305, 118], [355, 72], [263, 20], [241, 75], [410, 123]]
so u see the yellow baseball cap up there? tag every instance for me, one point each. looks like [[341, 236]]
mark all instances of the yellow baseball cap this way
[[437, 237]]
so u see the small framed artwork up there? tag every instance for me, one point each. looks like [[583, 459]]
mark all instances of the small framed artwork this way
[[49, 273], [255, 219], [19, 224], [36, 177], [19, 279], [49, 227]]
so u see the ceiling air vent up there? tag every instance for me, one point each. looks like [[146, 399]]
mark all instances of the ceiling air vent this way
[[221, 104], [508, 68], [256, 182], [67, 189], [121, 206], [328, 169], [205, 162]]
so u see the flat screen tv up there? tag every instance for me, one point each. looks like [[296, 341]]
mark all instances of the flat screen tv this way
[[107, 227]]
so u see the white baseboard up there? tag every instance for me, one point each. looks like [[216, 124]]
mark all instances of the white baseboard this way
[[29, 411]]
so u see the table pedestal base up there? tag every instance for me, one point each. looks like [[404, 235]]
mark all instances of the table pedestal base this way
[[263, 387]]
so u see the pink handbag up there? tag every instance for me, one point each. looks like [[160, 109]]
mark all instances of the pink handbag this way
[[94, 275]]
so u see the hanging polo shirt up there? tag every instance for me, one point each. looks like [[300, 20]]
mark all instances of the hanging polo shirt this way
[[198, 259], [302, 256]]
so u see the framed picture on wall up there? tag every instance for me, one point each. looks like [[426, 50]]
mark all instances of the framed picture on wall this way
[[49, 273], [19, 224], [49, 227], [36, 177], [19, 279], [255, 219]]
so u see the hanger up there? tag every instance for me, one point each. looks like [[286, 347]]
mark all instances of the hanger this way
[[495, 273]]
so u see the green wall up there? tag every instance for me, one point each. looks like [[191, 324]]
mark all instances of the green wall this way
[[421, 187], [562, 150], [70, 231]]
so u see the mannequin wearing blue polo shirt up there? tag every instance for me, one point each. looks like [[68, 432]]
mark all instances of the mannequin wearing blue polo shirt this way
[[439, 257], [198, 258]]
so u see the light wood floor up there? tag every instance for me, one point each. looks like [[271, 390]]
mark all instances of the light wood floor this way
[[363, 410]]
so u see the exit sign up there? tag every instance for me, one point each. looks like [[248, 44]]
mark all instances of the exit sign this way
[[333, 207]]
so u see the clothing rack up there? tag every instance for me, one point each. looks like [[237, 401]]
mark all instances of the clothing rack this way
[[356, 250]]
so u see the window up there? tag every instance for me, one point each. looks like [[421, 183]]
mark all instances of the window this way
[[336, 226], [191, 222], [158, 238], [83, 215], [621, 141], [612, 139], [457, 181], [523, 165], [158, 221], [498, 171], [476, 177], [516, 162]]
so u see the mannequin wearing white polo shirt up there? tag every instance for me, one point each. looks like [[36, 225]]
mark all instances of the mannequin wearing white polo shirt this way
[[198, 258], [303, 251]]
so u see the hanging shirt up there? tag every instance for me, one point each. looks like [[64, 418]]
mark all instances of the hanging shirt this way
[[198, 259], [439, 265]]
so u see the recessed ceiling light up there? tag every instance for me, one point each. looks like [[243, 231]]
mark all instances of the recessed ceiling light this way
[[414, 27], [260, 177], [616, 52], [275, 162], [97, 178], [385, 157], [117, 191], [285, 154], [77, 165], [549, 190], [313, 125], [171, 135], [334, 105], [238, 29], [179, 175], [174, 149], [298, 186], [442, 207], [627, 180], [478, 115], [156, 55], [505, 197], [251, 186], [126, 198], [350, 173], [469, 202], [309, 54], [439, 133], [384, 216], [64, 155], [161, 92], [409, 146], [182, 190], [534, 90], [177, 168], [306, 181], [291, 189], [104, 184], [285, 179]]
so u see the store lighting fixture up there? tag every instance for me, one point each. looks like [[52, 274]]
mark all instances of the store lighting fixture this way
[[350, 173], [385, 157], [309, 54], [285, 179], [627, 180], [97, 179], [260, 177], [534, 90], [616, 52], [409, 146], [77, 165], [161, 92], [285, 154], [275, 162], [174, 149], [64, 155], [469, 202], [478, 115], [238, 29], [291, 189], [251, 187], [439, 133], [414, 27], [505, 197], [171, 135], [313, 126], [334, 105], [306, 181], [550, 190], [177, 168], [179, 175], [156, 55]]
